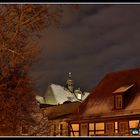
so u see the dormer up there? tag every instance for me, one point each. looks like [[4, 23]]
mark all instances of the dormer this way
[[120, 96], [78, 94]]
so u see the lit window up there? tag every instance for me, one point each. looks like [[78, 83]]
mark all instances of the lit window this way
[[116, 125], [91, 126], [99, 126], [91, 129], [79, 96], [134, 123], [74, 133], [75, 130], [91, 133], [100, 132], [118, 101], [61, 129], [75, 127]]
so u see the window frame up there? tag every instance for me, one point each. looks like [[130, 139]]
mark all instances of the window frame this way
[[118, 99], [127, 123], [113, 130], [71, 129], [99, 130]]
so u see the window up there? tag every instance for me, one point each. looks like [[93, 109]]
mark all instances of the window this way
[[61, 129], [75, 127], [123, 127], [91, 133], [110, 127], [133, 123], [99, 128], [54, 126], [84, 129], [116, 127], [79, 96], [74, 131], [91, 126], [91, 129], [118, 102]]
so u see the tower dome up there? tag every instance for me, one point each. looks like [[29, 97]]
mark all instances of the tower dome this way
[[70, 83]]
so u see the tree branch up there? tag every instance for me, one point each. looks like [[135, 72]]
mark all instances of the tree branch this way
[[12, 51]]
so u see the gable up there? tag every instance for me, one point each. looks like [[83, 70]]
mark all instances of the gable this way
[[101, 101], [50, 97]]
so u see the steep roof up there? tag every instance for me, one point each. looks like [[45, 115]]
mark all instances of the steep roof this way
[[57, 94], [100, 101], [123, 88], [40, 99]]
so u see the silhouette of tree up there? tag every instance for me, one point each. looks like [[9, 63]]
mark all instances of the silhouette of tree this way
[[20, 25]]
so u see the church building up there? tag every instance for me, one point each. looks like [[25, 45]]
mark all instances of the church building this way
[[59, 102]]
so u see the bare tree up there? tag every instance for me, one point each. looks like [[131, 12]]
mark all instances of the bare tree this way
[[20, 25]]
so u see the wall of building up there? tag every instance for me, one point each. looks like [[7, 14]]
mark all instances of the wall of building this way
[[60, 110], [58, 128], [108, 128]]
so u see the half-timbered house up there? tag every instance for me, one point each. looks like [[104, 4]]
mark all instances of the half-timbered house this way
[[113, 108]]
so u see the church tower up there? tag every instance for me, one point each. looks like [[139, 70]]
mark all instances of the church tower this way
[[70, 83]]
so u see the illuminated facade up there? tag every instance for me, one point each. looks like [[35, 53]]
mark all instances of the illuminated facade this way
[[57, 94], [58, 102], [113, 108]]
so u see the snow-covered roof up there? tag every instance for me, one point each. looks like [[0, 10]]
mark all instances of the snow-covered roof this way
[[40, 99], [56, 94], [101, 100], [85, 95], [123, 88]]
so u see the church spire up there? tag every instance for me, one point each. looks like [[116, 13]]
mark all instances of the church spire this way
[[69, 74], [70, 83]]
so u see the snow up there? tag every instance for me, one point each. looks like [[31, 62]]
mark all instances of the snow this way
[[62, 95], [57, 94], [123, 88], [40, 99], [85, 95]]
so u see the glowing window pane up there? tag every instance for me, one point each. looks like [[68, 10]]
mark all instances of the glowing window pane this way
[[134, 123], [79, 96], [91, 126], [91, 133], [84, 129], [116, 125], [99, 126], [75, 127], [76, 133], [99, 132], [116, 131], [71, 134]]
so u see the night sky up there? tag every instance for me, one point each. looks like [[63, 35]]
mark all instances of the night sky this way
[[91, 42]]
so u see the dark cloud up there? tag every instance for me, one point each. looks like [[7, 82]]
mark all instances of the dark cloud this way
[[92, 41]]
